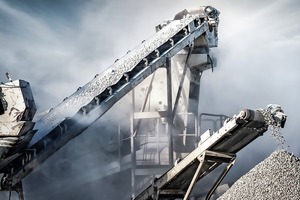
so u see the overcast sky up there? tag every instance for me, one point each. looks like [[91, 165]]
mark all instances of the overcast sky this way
[[60, 45]]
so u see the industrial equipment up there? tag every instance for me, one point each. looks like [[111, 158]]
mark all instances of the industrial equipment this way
[[181, 47], [213, 150]]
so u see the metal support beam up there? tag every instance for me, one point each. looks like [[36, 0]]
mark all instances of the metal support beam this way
[[142, 109], [132, 147], [19, 190], [170, 117], [181, 83], [167, 186], [133, 163], [221, 177], [195, 177]]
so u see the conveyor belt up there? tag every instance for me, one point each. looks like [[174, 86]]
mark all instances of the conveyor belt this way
[[213, 150], [90, 102]]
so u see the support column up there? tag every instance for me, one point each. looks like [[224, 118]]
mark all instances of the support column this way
[[132, 148], [170, 117]]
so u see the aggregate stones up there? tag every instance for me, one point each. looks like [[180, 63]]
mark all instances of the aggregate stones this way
[[277, 177]]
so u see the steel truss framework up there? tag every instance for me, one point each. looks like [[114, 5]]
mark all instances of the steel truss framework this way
[[197, 167]]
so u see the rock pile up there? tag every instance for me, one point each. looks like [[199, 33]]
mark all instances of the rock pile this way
[[277, 177]]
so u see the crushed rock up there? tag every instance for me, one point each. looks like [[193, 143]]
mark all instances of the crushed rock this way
[[277, 177]]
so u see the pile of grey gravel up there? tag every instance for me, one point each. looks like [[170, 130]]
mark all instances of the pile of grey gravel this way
[[277, 177]]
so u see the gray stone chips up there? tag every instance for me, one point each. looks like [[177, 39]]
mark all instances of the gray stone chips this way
[[107, 78], [277, 177]]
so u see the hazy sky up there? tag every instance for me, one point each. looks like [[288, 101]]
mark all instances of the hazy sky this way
[[60, 45]]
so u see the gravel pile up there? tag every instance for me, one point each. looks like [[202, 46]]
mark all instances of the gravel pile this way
[[277, 177]]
